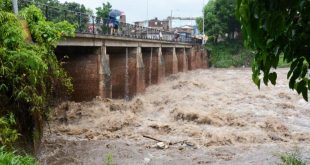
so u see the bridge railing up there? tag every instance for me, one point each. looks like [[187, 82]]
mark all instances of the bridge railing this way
[[89, 24]]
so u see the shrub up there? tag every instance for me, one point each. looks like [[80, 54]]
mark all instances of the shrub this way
[[291, 159], [8, 135], [229, 53], [10, 158]]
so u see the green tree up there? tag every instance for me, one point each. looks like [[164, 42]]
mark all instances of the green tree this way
[[102, 14], [80, 15], [219, 19], [275, 28], [55, 11]]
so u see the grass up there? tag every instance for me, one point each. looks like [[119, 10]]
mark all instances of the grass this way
[[291, 159], [109, 160], [229, 54], [10, 158]]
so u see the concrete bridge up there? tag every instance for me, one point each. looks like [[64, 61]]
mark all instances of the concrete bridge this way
[[118, 67], [123, 63]]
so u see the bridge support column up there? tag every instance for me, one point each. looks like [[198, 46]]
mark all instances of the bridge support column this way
[[161, 65], [105, 84], [182, 59], [187, 52], [169, 58], [191, 59], [148, 58], [153, 65], [140, 82], [174, 61]]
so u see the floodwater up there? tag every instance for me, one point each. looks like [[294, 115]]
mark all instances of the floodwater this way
[[215, 116]]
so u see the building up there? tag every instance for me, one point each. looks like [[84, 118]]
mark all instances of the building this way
[[154, 23], [158, 24], [123, 18], [141, 23]]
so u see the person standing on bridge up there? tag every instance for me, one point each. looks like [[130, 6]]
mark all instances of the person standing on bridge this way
[[113, 21], [160, 35], [176, 35]]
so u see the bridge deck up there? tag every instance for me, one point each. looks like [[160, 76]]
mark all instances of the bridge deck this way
[[117, 41]]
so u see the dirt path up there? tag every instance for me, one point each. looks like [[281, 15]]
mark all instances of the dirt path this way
[[202, 117]]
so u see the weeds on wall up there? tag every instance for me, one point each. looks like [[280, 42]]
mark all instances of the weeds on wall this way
[[109, 160]]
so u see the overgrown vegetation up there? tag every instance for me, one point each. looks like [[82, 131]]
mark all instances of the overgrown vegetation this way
[[72, 12], [10, 158], [29, 70], [8, 135], [223, 30], [229, 53], [291, 159], [220, 21], [275, 28]]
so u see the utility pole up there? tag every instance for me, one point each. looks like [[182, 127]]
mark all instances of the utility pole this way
[[15, 6], [170, 21], [203, 22], [147, 17]]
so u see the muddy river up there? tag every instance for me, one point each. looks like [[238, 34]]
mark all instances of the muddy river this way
[[215, 116]]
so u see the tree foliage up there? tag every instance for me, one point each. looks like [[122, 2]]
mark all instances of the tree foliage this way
[[29, 71], [55, 11], [219, 19], [103, 16], [275, 28], [103, 12]]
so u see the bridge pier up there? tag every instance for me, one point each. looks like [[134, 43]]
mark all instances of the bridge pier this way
[[171, 60], [161, 65], [153, 65], [140, 80], [105, 84], [148, 58], [117, 65], [174, 61], [191, 59], [182, 59], [194, 59]]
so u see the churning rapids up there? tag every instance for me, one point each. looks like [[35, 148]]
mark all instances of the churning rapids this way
[[215, 116]]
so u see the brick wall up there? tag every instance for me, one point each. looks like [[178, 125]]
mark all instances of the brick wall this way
[[82, 66]]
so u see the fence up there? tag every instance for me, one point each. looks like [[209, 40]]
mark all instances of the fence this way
[[89, 24]]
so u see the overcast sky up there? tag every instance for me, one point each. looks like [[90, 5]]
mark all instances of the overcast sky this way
[[136, 10]]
